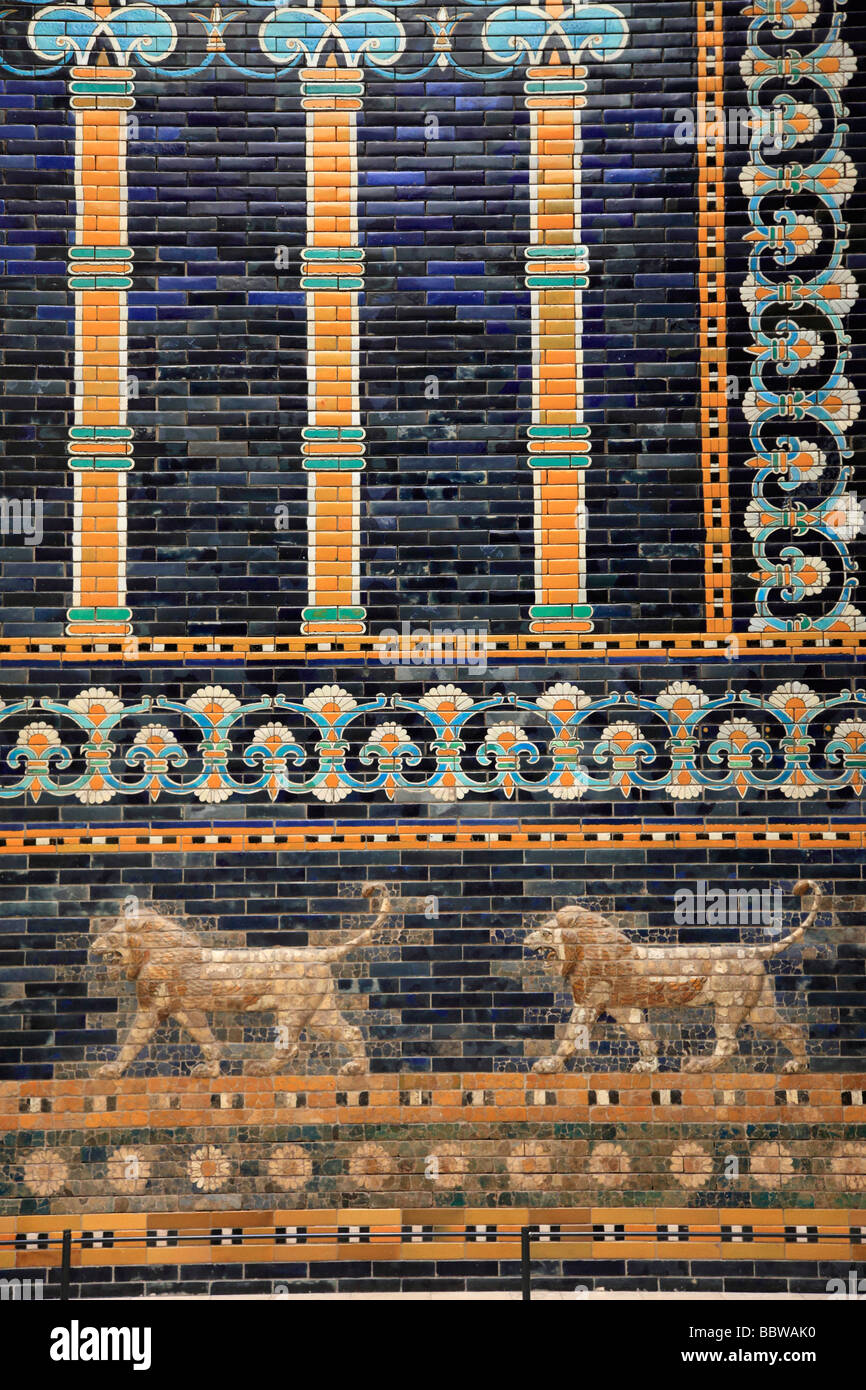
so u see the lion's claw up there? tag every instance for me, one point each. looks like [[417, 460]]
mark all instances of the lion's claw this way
[[109, 1069], [265, 1068], [546, 1064]]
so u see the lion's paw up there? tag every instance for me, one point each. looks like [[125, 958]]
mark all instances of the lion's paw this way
[[796, 1064], [547, 1064], [646, 1064], [205, 1069], [352, 1068], [110, 1069], [264, 1068], [699, 1064]]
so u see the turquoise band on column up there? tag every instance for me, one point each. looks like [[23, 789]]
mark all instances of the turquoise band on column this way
[[331, 89], [561, 251], [101, 88], [333, 615], [101, 432], [333, 432], [334, 463], [333, 253], [100, 282], [99, 615], [558, 431], [331, 282], [561, 611], [89, 463], [559, 87], [101, 253], [557, 282]]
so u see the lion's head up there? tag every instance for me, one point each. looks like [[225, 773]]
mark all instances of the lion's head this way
[[574, 934], [132, 940], [543, 940]]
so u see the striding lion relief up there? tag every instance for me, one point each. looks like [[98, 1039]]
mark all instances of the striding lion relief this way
[[610, 974], [176, 977]]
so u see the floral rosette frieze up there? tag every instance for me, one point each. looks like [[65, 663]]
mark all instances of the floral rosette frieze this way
[[443, 744], [801, 404]]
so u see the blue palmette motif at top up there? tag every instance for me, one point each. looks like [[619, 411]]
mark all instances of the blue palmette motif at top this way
[[289, 35], [441, 742]]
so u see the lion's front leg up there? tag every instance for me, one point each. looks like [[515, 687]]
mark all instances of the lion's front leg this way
[[196, 1024], [637, 1028], [576, 1038], [140, 1031]]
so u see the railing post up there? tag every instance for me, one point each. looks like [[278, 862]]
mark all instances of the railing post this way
[[525, 1267], [65, 1265]]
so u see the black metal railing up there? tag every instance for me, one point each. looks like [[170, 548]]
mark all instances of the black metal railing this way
[[527, 1236]]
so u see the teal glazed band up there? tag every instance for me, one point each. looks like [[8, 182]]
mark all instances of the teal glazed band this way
[[333, 615], [99, 615], [561, 611]]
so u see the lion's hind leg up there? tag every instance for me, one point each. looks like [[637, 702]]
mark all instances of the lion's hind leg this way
[[728, 1019], [765, 1018], [290, 1025], [332, 1027]]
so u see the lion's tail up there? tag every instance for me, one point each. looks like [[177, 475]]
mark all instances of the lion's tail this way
[[801, 888], [332, 953]]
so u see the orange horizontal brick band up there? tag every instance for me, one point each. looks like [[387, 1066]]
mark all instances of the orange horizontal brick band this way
[[167, 1103], [101, 74], [331, 73], [436, 836], [666, 646], [138, 1238]]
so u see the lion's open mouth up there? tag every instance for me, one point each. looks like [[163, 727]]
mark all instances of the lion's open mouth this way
[[542, 949]]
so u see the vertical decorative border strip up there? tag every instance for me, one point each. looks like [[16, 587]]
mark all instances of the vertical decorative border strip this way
[[556, 274], [783, 520], [100, 265], [332, 278], [718, 562]]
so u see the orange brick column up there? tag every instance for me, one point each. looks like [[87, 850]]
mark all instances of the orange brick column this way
[[100, 263], [556, 274], [333, 447]]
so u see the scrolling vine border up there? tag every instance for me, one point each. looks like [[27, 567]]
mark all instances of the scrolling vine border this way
[[786, 572]]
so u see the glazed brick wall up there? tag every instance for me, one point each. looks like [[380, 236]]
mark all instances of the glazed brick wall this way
[[454, 1011], [451, 992]]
